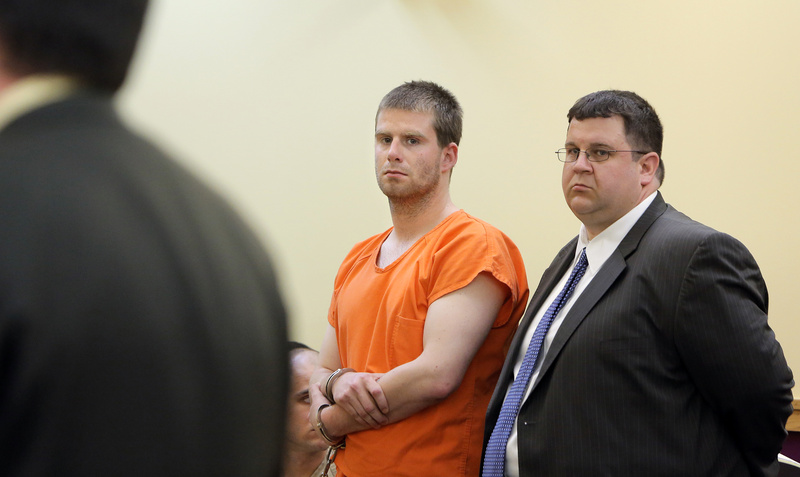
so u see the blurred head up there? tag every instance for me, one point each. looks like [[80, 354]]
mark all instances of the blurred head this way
[[643, 129], [90, 40], [301, 437], [428, 97]]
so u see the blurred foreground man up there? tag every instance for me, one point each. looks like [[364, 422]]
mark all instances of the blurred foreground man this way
[[141, 331], [645, 350]]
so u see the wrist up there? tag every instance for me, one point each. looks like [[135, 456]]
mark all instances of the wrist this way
[[327, 390], [323, 431]]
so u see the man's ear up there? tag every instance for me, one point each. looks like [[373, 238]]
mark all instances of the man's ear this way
[[648, 165], [449, 157]]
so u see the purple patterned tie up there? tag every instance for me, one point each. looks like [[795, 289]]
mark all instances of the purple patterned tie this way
[[495, 459]]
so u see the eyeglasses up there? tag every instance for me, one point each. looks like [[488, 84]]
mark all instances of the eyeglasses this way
[[592, 155]]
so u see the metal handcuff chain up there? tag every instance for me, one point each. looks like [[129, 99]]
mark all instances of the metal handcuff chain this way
[[330, 457]]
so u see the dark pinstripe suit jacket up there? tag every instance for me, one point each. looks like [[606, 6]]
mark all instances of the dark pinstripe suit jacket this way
[[664, 366], [141, 332]]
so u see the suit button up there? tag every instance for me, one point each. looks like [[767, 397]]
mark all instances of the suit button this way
[[524, 423]]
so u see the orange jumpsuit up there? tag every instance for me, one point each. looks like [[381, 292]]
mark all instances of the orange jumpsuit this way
[[379, 317]]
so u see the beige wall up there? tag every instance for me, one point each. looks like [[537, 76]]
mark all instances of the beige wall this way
[[273, 102]]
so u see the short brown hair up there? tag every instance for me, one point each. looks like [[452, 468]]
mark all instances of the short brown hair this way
[[425, 96]]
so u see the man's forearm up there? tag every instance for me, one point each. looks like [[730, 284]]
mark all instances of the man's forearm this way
[[374, 400], [338, 422], [405, 398]]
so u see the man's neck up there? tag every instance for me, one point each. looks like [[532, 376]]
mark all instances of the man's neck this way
[[411, 226], [6, 80], [412, 223], [302, 463]]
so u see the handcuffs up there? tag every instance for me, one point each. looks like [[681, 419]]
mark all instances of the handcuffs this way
[[327, 391]]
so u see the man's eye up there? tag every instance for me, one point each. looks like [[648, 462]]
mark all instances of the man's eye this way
[[573, 151], [600, 153], [413, 140]]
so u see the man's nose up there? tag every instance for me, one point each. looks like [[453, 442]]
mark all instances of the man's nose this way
[[394, 153], [582, 162]]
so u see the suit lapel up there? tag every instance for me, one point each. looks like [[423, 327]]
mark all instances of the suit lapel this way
[[608, 274], [549, 280]]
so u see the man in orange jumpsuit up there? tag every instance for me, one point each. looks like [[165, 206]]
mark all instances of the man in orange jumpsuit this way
[[422, 314]]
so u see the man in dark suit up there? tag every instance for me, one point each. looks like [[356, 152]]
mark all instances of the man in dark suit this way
[[660, 360], [141, 330]]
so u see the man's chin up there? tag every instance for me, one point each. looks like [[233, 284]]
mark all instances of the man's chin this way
[[318, 445], [392, 189], [580, 205]]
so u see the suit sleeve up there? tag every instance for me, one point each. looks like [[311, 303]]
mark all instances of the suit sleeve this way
[[730, 351]]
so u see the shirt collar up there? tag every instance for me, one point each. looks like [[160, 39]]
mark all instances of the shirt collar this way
[[603, 245], [32, 92]]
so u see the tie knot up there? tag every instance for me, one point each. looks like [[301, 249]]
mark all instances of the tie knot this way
[[583, 261], [579, 270]]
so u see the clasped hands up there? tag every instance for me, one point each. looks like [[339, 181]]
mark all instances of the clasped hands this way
[[359, 395]]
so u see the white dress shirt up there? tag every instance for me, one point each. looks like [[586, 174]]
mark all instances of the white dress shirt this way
[[597, 252], [32, 92]]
